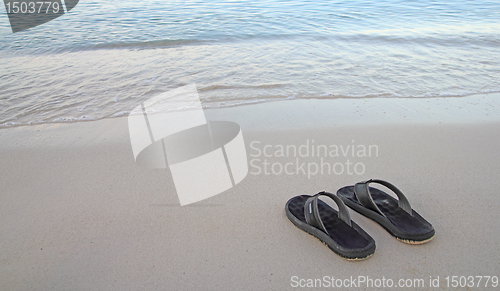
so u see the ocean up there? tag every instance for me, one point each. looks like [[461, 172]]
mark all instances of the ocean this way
[[103, 58]]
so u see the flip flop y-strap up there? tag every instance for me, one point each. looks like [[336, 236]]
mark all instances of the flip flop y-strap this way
[[362, 192], [311, 211]]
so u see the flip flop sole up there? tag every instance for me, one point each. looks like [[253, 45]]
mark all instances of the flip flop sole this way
[[415, 242], [350, 243], [406, 228]]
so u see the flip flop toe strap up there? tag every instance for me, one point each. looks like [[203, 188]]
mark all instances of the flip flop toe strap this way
[[311, 211], [362, 192]]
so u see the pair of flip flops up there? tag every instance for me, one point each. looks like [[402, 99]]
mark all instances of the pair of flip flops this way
[[344, 236]]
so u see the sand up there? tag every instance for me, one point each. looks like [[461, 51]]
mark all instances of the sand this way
[[78, 213]]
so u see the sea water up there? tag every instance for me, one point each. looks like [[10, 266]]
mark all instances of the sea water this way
[[103, 58]]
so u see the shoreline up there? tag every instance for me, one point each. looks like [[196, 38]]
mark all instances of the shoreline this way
[[314, 113], [297, 113]]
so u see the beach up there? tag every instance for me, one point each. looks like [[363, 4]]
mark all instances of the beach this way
[[78, 213], [243, 105]]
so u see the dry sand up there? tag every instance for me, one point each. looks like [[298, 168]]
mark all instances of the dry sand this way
[[78, 213]]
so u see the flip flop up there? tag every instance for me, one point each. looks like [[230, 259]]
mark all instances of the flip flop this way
[[396, 216], [335, 229]]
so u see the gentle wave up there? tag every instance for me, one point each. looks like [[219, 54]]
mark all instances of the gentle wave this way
[[478, 36], [234, 103], [101, 60]]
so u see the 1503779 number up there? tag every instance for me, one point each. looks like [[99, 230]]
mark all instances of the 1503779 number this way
[[471, 281], [32, 7]]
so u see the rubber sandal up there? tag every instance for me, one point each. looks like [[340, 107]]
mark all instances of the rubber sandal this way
[[335, 229], [396, 216]]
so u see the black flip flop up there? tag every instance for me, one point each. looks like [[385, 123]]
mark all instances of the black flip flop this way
[[396, 216], [335, 229]]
